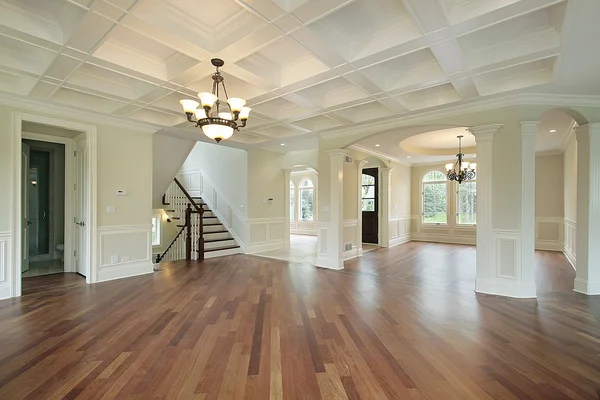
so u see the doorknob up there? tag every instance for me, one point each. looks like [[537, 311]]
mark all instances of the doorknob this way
[[80, 223], [28, 222]]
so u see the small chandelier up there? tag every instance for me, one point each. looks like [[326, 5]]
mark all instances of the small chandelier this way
[[461, 170], [217, 119]]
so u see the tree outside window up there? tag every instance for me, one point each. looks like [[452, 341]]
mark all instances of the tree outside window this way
[[368, 193], [306, 200], [435, 202], [467, 203]]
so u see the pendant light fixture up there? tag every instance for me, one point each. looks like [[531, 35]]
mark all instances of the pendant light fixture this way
[[217, 118], [461, 170]]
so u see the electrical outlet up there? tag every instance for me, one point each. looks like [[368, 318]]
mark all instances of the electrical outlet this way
[[114, 259]]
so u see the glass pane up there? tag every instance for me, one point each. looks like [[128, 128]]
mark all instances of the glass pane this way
[[154, 232], [434, 203], [368, 205], [306, 206], [307, 183], [368, 192], [291, 185], [467, 203], [368, 180], [433, 176], [292, 203]]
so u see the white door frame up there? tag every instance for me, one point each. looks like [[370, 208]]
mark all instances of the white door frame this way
[[17, 136], [69, 193]]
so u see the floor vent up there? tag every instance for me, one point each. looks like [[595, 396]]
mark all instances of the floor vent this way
[[348, 247]]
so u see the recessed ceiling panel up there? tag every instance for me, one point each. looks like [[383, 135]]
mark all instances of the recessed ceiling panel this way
[[333, 92], [430, 97], [365, 112]]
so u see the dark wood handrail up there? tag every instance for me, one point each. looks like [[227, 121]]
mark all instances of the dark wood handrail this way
[[187, 195], [159, 257]]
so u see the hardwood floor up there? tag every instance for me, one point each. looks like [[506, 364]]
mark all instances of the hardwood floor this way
[[401, 323]]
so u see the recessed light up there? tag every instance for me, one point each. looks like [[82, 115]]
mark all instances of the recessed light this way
[[377, 145], [552, 130], [283, 144], [407, 156]]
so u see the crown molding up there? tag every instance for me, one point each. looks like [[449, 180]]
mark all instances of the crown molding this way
[[74, 113], [476, 105], [378, 154]]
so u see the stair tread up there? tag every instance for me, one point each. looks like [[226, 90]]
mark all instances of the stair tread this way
[[208, 233], [218, 240], [222, 248]]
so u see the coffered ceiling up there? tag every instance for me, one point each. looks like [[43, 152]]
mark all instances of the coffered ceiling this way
[[305, 66]]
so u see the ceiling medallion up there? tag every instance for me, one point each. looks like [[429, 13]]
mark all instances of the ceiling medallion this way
[[461, 170], [218, 119]]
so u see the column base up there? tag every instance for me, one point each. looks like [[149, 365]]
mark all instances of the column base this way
[[326, 262], [585, 287], [500, 288]]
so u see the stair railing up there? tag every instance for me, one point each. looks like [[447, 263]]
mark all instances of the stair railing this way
[[189, 241]]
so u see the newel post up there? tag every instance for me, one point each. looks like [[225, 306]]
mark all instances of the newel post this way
[[188, 232], [201, 234]]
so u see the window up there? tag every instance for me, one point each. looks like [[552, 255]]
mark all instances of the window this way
[[156, 231], [435, 198], [467, 203], [368, 193], [306, 200], [292, 198]]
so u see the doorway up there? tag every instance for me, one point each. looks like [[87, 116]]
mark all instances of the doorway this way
[[43, 207], [370, 205], [52, 156]]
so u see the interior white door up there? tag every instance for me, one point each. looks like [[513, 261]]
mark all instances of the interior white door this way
[[82, 208], [25, 185]]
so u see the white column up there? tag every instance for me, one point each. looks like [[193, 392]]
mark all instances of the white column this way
[[361, 164], [286, 201], [484, 137], [587, 255], [331, 250], [529, 131], [385, 194]]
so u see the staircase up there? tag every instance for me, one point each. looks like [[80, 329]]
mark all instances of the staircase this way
[[201, 235]]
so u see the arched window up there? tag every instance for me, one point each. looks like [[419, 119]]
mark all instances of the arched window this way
[[292, 201], [435, 198], [306, 206]]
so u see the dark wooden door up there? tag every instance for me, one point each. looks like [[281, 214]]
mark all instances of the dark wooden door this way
[[370, 200]]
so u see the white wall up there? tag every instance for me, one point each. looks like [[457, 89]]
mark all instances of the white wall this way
[[169, 154], [124, 162], [549, 202]]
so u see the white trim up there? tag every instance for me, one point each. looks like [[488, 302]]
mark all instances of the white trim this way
[[545, 244], [45, 106], [494, 287], [69, 195], [586, 287], [124, 269], [378, 154], [269, 243], [5, 262], [471, 241], [400, 240], [570, 232], [466, 107], [16, 136]]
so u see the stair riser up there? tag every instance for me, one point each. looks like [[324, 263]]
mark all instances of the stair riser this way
[[213, 245], [213, 228], [221, 253], [213, 236]]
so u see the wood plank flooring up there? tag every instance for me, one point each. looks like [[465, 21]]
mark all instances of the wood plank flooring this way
[[401, 323]]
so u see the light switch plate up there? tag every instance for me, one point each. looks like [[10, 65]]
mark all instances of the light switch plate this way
[[111, 209]]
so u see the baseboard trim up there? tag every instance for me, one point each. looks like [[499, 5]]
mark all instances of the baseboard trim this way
[[120, 271], [585, 287], [445, 239], [569, 256], [549, 246], [326, 262], [399, 240], [262, 247], [350, 254], [497, 288]]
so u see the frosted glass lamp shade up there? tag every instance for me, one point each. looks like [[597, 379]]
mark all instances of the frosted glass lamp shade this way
[[449, 167], [217, 132], [189, 106], [245, 113], [225, 115], [464, 166], [200, 113], [236, 104], [207, 99], [473, 166]]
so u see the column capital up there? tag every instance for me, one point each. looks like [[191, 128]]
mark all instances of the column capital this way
[[361, 163], [337, 152], [387, 170], [484, 133], [529, 128]]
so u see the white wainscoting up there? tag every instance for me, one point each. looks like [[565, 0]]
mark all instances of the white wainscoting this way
[[549, 233], [350, 237], [570, 233], [264, 234], [199, 185], [132, 244], [399, 228], [443, 233], [5, 264]]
